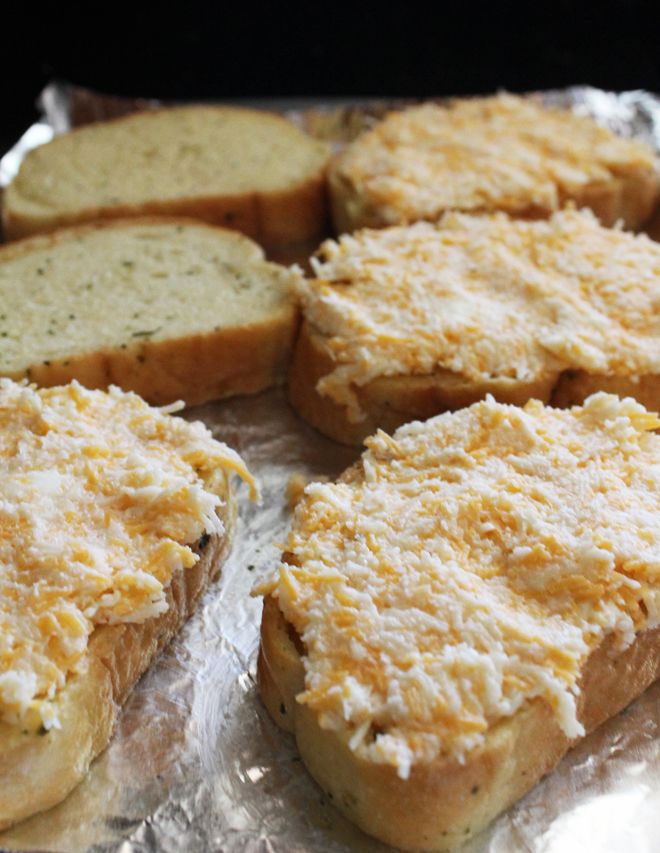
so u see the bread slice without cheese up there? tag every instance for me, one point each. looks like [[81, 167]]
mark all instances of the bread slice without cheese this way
[[427, 601], [249, 170], [171, 309], [406, 322], [113, 500], [486, 154]]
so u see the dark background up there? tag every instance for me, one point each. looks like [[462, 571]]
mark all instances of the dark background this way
[[230, 51]]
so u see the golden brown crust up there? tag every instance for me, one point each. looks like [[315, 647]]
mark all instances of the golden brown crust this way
[[390, 401], [273, 219], [38, 771], [50, 239], [280, 672], [199, 367], [574, 386], [195, 369], [443, 803], [652, 227]]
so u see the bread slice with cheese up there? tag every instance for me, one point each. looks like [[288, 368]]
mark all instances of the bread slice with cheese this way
[[171, 309], [406, 322], [115, 517], [487, 154], [250, 170], [465, 603]]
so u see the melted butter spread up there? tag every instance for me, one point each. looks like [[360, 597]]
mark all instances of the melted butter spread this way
[[485, 297], [472, 566], [500, 153], [100, 498]]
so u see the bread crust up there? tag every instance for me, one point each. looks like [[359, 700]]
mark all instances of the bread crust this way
[[574, 386], [37, 771], [390, 401], [197, 368], [631, 200], [443, 803], [194, 369], [296, 214]]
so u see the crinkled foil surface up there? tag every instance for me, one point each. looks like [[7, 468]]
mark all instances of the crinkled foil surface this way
[[196, 763]]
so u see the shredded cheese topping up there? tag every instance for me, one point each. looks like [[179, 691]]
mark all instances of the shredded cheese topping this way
[[485, 297], [500, 153], [471, 566], [100, 498]]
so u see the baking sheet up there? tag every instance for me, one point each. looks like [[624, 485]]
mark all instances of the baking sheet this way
[[197, 765]]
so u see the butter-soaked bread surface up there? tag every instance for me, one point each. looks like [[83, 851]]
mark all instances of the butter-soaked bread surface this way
[[245, 169], [170, 309]]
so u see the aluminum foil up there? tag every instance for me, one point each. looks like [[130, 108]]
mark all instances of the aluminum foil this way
[[196, 764]]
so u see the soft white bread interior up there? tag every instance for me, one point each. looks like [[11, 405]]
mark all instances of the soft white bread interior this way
[[487, 154], [249, 170], [171, 309], [373, 645], [115, 519], [406, 322]]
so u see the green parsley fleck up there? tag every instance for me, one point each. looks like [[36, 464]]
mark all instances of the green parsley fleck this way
[[146, 333]]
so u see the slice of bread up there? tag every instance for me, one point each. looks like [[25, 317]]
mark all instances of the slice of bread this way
[[406, 322], [466, 602], [249, 170], [169, 309], [39, 769], [487, 154], [115, 519]]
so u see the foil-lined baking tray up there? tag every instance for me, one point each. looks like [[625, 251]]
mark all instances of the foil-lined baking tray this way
[[196, 764]]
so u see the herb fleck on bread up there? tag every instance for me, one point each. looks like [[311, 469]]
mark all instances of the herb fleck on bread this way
[[169, 309], [248, 170]]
